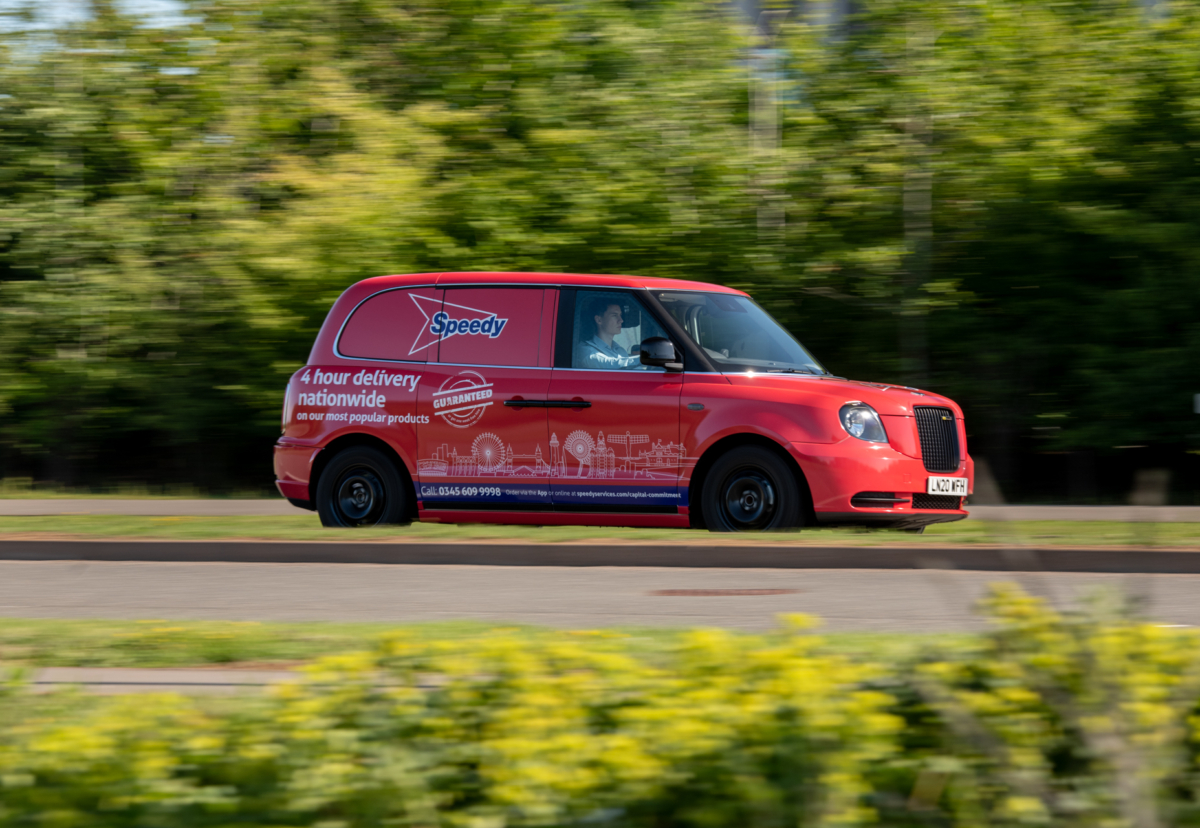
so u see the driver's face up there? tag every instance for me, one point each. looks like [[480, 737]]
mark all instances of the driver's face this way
[[610, 323]]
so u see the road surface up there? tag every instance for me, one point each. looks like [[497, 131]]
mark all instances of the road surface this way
[[569, 597]]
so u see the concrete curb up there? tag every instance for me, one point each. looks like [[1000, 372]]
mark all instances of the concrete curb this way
[[990, 559]]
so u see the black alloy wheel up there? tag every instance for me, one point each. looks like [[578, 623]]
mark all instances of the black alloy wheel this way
[[362, 487], [750, 499], [750, 489], [360, 496]]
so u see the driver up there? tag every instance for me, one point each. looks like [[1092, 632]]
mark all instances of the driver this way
[[600, 352]]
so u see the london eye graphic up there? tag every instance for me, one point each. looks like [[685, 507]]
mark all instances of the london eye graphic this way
[[580, 445], [488, 451]]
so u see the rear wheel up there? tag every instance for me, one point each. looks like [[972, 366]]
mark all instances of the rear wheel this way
[[750, 489], [362, 487]]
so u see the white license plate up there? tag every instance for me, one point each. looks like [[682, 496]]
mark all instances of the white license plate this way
[[946, 486]]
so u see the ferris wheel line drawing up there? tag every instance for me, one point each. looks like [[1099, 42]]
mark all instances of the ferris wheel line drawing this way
[[489, 451], [580, 445]]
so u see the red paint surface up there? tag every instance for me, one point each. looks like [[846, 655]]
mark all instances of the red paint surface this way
[[473, 447], [519, 310], [386, 326], [652, 441]]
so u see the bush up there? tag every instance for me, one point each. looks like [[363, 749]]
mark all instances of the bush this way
[[1085, 719]]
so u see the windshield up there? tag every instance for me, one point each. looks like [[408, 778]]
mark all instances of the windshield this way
[[737, 334]]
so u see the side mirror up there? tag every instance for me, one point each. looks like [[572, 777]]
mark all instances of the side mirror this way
[[660, 352]]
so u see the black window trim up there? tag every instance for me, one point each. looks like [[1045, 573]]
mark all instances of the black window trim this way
[[563, 345]]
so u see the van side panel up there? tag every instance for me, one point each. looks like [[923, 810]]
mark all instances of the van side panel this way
[[371, 360], [355, 396], [477, 449], [732, 406]]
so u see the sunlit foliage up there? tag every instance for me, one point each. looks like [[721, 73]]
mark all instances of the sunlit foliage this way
[[1067, 719]]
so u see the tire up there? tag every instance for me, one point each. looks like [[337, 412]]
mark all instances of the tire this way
[[362, 487], [751, 489]]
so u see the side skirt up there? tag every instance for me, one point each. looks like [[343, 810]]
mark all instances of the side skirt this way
[[665, 521]]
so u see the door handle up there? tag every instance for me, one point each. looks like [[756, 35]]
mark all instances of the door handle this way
[[547, 404]]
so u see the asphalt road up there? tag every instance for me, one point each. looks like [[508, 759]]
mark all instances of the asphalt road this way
[[570, 597]]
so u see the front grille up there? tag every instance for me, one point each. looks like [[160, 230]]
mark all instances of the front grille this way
[[928, 501], [939, 438]]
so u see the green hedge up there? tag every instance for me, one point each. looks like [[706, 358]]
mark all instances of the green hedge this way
[[1085, 719]]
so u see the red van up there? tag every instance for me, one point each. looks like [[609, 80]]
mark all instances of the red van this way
[[545, 398]]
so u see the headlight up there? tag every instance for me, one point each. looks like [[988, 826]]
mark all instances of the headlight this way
[[861, 421]]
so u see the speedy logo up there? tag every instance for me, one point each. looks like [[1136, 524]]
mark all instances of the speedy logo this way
[[462, 399], [444, 320], [446, 326]]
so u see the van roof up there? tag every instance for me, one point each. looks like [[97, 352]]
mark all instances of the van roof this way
[[566, 279]]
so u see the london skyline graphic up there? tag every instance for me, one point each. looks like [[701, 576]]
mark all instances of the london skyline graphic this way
[[580, 456]]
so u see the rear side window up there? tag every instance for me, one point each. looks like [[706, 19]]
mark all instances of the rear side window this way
[[393, 325], [489, 326]]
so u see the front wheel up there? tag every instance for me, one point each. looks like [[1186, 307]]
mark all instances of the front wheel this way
[[362, 487], [750, 489]]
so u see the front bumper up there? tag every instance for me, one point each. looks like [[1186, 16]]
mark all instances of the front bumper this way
[[836, 472]]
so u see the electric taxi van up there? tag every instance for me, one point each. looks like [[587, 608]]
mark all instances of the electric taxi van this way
[[600, 400]]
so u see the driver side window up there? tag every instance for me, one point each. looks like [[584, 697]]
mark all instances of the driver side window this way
[[607, 331]]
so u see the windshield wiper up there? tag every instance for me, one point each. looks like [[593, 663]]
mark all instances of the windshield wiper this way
[[791, 371]]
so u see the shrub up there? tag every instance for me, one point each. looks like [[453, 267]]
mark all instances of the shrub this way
[[1085, 719]]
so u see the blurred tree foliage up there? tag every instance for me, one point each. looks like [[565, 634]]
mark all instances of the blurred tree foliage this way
[[995, 200]]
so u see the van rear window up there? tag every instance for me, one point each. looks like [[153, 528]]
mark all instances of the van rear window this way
[[389, 325]]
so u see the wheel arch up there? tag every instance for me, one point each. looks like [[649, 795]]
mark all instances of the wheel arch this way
[[352, 440], [724, 446]]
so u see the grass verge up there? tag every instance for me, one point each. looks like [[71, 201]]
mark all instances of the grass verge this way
[[305, 526], [162, 643]]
